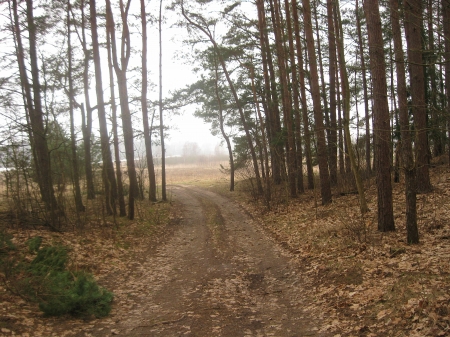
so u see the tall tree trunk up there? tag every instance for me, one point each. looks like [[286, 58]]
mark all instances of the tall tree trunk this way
[[325, 187], [406, 134], [109, 178], [36, 114], [144, 106], [301, 82], [332, 73], [86, 115], [73, 146], [296, 111], [245, 125], [265, 162], [435, 127], [286, 99], [120, 191], [161, 117], [446, 19], [121, 74], [366, 97], [326, 111], [274, 125], [221, 124], [346, 95], [413, 28], [381, 117]]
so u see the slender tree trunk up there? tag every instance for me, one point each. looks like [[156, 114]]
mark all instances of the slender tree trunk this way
[[301, 82], [366, 97], [221, 124], [120, 191], [446, 19], [277, 150], [332, 73], [413, 29], [406, 133], [346, 95], [435, 131], [121, 74], [86, 116], [37, 126], [322, 81], [286, 99], [73, 146], [144, 106], [271, 114], [161, 117], [109, 178], [296, 111], [381, 117], [265, 162], [325, 187]]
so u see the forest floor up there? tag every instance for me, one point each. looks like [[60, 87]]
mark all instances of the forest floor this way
[[213, 263]]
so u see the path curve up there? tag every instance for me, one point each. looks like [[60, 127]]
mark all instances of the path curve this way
[[217, 275]]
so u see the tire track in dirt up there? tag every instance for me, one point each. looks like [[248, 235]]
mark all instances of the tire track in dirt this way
[[218, 275]]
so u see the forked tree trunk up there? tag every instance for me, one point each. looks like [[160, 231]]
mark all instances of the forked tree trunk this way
[[381, 117], [109, 179], [121, 74], [120, 191]]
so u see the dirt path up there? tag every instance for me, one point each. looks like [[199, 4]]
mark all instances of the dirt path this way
[[217, 275]]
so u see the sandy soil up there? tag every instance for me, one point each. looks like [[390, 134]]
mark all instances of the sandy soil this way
[[217, 274]]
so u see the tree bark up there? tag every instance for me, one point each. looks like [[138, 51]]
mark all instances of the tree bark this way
[[86, 116], [366, 96], [413, 31], [161, 116], [304, 112], [73, 146], [332, 73], [381, 117], [109, 178], [406, 133], [296, 108], [286, 99], [346, 95], [120, 191], [121, 74], [144, 106], [325, 187], [446, 18], [39, 131]]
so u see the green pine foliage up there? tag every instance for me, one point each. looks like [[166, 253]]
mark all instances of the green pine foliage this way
[[47, 281]]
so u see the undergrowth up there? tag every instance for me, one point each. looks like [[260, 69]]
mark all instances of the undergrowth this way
[[41, 275]]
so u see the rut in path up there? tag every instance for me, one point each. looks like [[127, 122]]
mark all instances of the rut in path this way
[[217, 275]]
